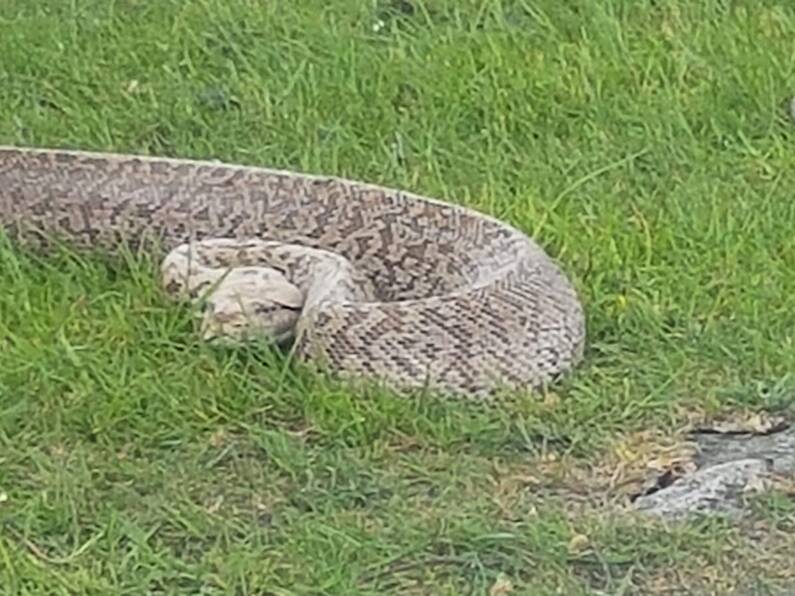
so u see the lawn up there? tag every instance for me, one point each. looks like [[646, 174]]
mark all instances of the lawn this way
[[646, 145]]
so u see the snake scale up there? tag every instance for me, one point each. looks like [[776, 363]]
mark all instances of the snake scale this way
[[375, 282]]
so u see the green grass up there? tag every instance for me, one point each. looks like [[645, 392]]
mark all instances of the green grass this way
[[645, 144]]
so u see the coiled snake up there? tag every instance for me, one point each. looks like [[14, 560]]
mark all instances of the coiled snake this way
[[372, 282]]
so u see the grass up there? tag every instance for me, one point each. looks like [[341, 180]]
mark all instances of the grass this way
[[646, 145]]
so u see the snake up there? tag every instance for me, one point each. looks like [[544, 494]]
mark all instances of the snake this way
[[362, 280]]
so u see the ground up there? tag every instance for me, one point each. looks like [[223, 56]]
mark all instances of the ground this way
[[646, 145]]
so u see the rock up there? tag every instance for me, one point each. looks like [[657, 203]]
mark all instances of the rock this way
[[714, 489], [730, 463], [778, 448]]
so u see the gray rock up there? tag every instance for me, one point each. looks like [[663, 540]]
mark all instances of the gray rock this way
[[777, 448], [714, 489]]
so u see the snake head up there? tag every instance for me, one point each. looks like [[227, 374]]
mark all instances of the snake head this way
[[252, 302]]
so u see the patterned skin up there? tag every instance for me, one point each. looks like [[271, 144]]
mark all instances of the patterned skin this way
[[409, 290]]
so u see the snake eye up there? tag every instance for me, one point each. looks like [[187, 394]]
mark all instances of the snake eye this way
[[262, 309]]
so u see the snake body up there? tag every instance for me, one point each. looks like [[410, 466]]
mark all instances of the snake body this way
[[394, 286]]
